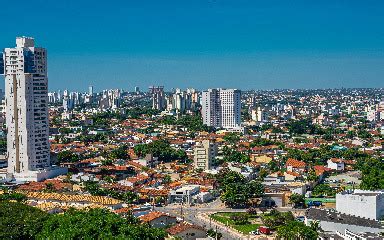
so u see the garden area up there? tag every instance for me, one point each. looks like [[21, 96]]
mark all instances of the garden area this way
[[242, 222]]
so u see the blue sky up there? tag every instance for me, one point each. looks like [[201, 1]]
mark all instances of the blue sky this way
[[212, 43]]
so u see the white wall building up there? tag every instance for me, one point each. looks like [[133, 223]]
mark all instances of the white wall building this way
[[336, 164], [158, 97], [221, 108], [26, 83], [366, 204]]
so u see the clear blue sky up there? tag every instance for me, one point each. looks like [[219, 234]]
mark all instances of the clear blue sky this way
[[203, 43]]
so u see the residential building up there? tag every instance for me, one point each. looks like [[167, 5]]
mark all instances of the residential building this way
[[187, 231], [221, 108], [204, 154], [336, 164], [158, 97], [294, 165], [334, 221], [184, 194], [158, 219], [366, 204], [26, 83]]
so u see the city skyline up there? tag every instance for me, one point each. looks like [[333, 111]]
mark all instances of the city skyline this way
[[242, 44]]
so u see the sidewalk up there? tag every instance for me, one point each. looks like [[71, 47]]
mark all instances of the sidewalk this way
[[222, 227]]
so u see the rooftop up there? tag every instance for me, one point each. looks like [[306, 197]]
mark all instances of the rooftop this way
[[337, 217]]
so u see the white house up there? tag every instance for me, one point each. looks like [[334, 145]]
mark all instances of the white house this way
[[336, 164]]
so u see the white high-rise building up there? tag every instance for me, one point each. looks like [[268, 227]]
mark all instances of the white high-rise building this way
[[90, 90], [158, 97], [221, 108], [26, 84]]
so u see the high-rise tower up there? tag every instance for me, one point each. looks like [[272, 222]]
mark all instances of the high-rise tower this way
[[221, 108], [26, 84]]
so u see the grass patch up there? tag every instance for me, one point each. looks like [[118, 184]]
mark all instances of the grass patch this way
[[246, 228], [324, 200], [225, 218]]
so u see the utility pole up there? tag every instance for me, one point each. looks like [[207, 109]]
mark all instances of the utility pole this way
[[181, 210], [216, 237]]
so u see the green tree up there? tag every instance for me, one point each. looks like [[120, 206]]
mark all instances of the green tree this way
[[20, 221], [322, 190], [167, 179], [214, 234], [15, 196], [232, 138], [236, 190], [96, 224], [372, 170], [297, 200], [275, 219], [67, 156], [161, 149], [296, 230]]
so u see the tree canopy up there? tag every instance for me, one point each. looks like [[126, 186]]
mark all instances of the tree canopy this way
[[296, 230], [236, 190], [161, 149], [20, 221]]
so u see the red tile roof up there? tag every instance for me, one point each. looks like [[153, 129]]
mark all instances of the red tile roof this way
[[181, 227], [295, 163], [152, 216]]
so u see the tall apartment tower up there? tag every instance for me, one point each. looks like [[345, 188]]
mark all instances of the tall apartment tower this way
[[158, 97], [26, 84], [221, 108], [90, 90], [204, 154]]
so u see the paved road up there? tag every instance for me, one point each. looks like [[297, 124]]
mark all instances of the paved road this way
[[190, 214], [195, 214]]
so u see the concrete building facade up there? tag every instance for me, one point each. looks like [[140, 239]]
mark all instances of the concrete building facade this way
[[26, 84], [221, 108], [204, 154], [365, 204]]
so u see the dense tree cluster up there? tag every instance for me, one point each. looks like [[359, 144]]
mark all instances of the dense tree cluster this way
[[20, 221], [303, 126], [298, 200], [117, 153], [3, 145], [235, 190], [161, 149], [274, 219], [323, 190], [325, 152], [67, 156], [193, 123], [372, 170], [232, 155], [13, 196], [296, 230], [95, 189]]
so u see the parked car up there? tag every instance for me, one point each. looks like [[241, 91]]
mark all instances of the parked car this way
[[314, 204], [264, 230]]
